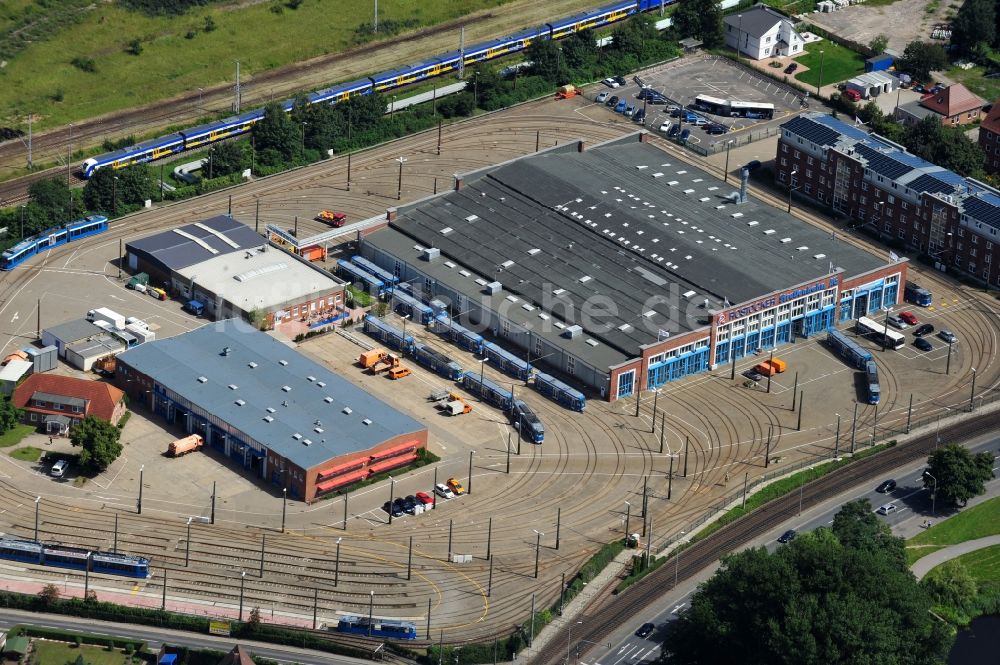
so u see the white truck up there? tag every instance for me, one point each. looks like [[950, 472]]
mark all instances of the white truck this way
[[105, 314]]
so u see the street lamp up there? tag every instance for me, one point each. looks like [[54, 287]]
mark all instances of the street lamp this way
[[739, 33], [336, 570], [199, 98], [403, 350], [725, 177], [392, 490], [972, 393], [933, 494], [284, 506], [885, 328], [791, 186], [243, 577], [569, 637], [114, 195], [399, 189], [139, 503], [371, 609], [538, 546], [819, 83], [37, 499]]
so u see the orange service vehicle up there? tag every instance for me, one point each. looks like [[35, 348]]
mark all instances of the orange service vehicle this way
[[333, 218], [186, 445]]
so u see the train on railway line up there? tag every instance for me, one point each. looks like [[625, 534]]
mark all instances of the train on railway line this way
[[62, 556], [50, 238], [197, 137], [393, 628]]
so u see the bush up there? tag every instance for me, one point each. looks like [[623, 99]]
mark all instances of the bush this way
[[84, 64], [134, 47]]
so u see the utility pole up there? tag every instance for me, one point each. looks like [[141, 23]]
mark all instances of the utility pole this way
[[237, 99], [375, 24], [31, 164], [687, 444], [461, 53], [670, 479], [801, 397], [213, 503], [558, 525]]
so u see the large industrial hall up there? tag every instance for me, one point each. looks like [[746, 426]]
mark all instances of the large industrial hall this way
[[280, 415], [620, 267]]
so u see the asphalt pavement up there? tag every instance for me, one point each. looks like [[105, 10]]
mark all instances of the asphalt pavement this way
[[914, 508]]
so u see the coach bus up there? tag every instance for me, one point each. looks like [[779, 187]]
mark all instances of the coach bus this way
[[880, 334], [753, 110], [711, 105]]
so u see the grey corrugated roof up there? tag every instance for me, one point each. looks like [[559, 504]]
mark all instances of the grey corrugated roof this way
[[58, 399], [626, 222], [175, 251], [100, 345], [755, 21], [178, 362], [74, 331]]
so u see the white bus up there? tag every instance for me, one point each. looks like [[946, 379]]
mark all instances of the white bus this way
[[880, 333], [711, 105], [753, 110]]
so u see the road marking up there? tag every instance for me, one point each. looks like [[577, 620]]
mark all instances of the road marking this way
[[16, 316], [678, 608]]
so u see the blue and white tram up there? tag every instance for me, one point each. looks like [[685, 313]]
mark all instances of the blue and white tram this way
[[526, 422], [555, 389], [50, 238], [61, 556], [392, 628]]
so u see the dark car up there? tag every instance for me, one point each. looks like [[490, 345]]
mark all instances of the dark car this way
[[410, 505], [395, 508], [684, 136], [400, 505], [947, 336], [791, 68], [886, 486], [640, 115], [674, 130], [752, 375], [923, 344], [620, 80], [645, 630], [787, 536], [716, 129], [612, 101], [923, 329]]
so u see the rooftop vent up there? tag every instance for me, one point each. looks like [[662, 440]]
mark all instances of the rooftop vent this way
[[321, 384], [233, 386], [572, 332], [202, 379], [270, 409], [283, 362], [268, 419], [226, 350], [493, 288], [318, 430], [367, 421], [311, 378], [287, 389], [431, 254], [296, 436], [240, 402], [251, 364], [689, 294], [307, 442], [347, 410], [785, 240], [328, 399]]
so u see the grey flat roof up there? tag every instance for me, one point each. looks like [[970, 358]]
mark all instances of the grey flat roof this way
[[98, 346], [193, 366], [625, 221], [74, 331], [177, 250], [58, 399]]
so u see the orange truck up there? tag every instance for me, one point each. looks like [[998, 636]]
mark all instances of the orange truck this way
[[771, 367], [332, 217], [398, 372], [186, 445], [389, 361], [370, 358], [567, 91]]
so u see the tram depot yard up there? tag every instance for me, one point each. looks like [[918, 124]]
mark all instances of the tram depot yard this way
[[606, 447]]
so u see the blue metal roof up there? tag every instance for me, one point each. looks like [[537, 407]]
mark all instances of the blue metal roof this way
[[305, 396]]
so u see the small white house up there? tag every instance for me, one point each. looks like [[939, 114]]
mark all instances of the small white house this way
[[761, 32]]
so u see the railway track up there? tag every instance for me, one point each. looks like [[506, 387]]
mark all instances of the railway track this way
[[603, 620]]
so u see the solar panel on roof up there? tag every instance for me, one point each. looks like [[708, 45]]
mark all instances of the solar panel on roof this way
[[881, 163], [811, 131], [929, 184], [983, 211]]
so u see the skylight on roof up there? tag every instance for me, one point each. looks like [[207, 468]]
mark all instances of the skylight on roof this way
[[287, 389], [202, 379]]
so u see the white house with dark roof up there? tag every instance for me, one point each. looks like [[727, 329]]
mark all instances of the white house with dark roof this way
[[762, 32]]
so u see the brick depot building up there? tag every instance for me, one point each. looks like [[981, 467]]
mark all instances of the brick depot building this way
[[280, 415], [901, 197], [684, 276]]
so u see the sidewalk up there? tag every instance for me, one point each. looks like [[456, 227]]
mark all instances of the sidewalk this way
[[557, 628], [924, 565]]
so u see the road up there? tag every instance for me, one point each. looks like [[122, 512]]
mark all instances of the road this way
[[915, 506], [155, 637]]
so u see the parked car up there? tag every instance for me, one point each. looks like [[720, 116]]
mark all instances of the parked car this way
[[59, 469], [395, 508], [674, 110], [896, 322], [629, 111], [621, 106], [674, 130], [455, 486], [887, 509], [925, 329], [684, 136], [410, 505], [640, 115], [691, 117], [923, 344], [665, 127], [602, 97], [791, 68], [886, 486], [852, 95], [752, 375], [645, 630], [716, 129], [612, 101], [787, 536], [610, 82], [443, 491], [947, 336], [909, 317], [620, 80], [424, 498]]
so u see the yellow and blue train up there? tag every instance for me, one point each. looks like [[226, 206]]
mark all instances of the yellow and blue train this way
[[196, 137]]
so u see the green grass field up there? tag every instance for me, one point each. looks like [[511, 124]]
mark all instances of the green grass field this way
[[839, 63], [14, 436], [60, 653], [977, 522], [983, 565], [27, 454], [41, 79]]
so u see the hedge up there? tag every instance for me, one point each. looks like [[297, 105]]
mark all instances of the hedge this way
[[60, 635]]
